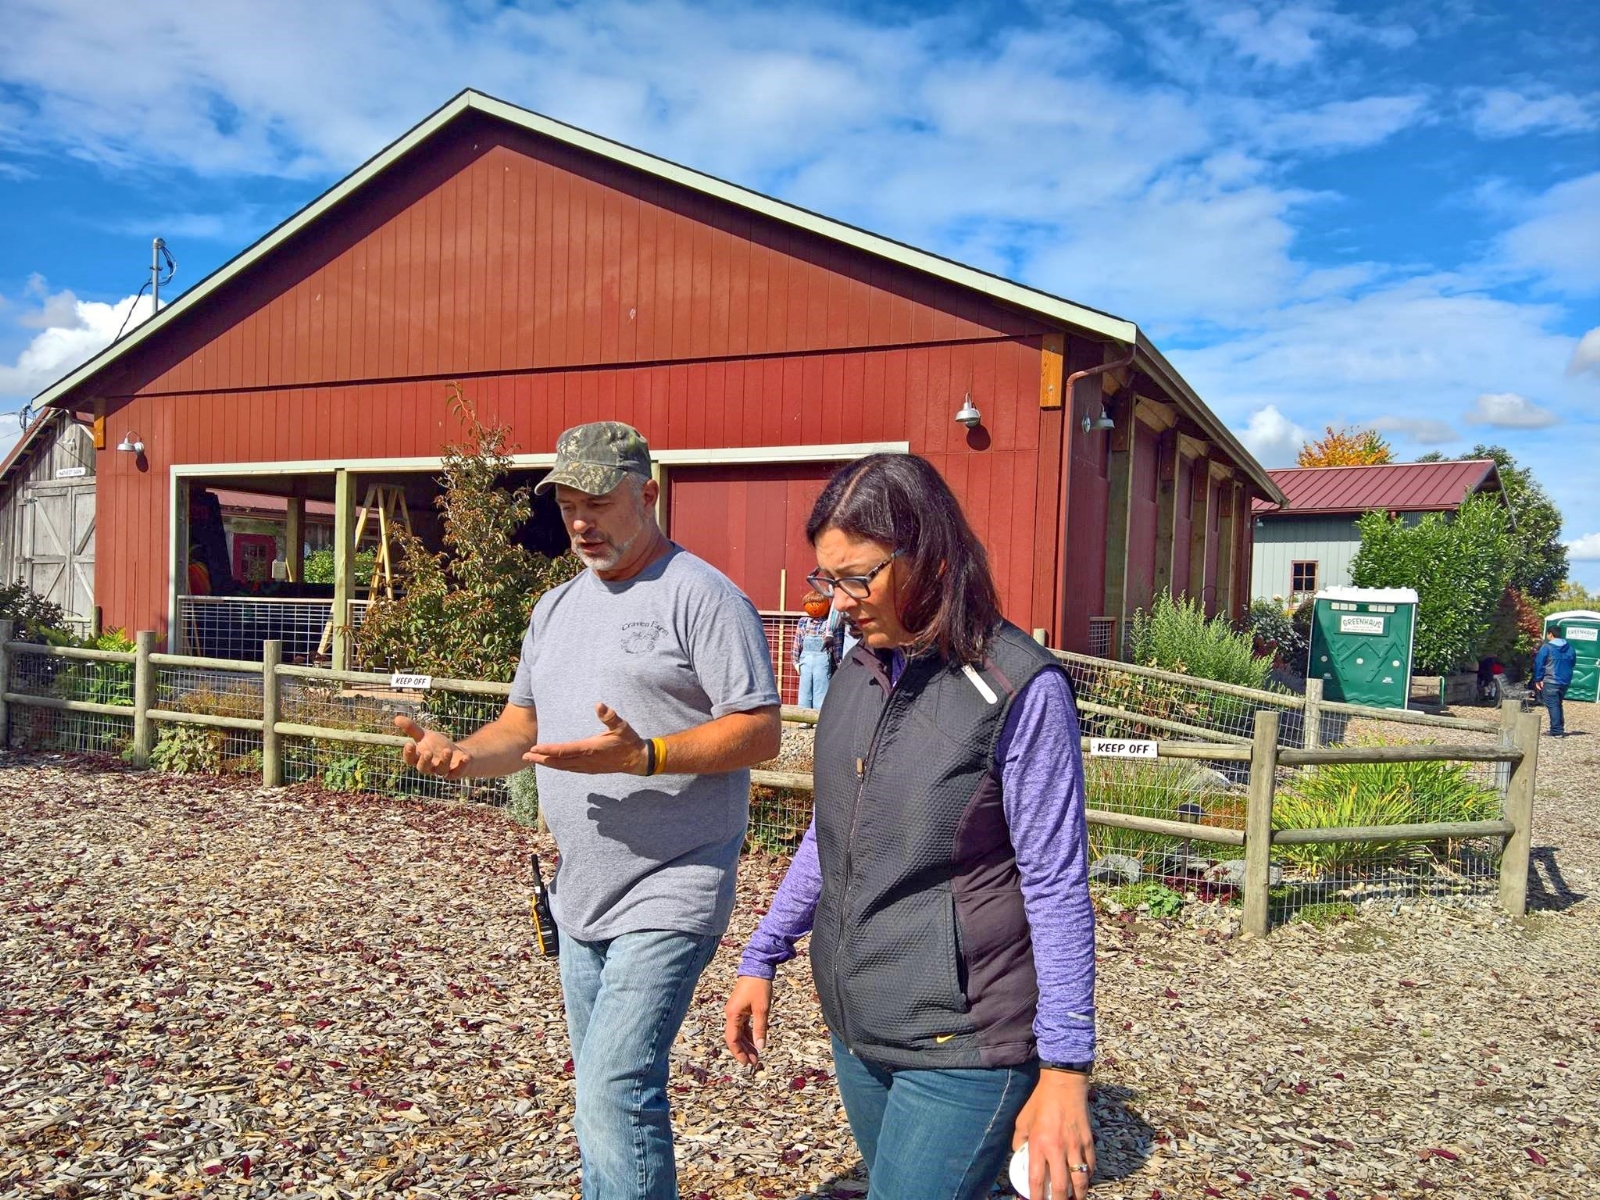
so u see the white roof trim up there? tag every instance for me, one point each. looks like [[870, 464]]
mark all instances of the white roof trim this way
[[1572, 614], [1052, 308]]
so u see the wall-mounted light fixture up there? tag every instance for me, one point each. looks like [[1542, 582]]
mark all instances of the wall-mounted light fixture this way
[[968, 414], [1099, 424], [130, 443]]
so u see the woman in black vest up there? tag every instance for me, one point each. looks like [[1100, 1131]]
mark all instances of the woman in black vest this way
[[944, 877]]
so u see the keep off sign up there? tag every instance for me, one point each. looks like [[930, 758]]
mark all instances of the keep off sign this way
[[1114, 748]]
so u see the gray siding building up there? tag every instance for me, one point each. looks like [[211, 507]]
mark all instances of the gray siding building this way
[[1309, 543]]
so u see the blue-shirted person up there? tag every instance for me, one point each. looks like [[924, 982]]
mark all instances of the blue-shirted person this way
[[1552, 676], [815, 646], [650, 663]]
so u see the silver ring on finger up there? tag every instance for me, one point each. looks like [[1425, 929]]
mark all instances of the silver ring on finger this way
[[1081, 1167]]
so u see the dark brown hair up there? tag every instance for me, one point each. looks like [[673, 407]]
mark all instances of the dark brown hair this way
[[948, 600]]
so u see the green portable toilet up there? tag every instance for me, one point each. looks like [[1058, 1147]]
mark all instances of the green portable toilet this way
[[1582, 628], [1361, 641]]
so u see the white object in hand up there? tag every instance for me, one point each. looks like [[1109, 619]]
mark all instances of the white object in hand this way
[[1019, 1175]]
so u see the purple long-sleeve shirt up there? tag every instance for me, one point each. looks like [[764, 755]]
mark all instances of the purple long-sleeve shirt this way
[[1041, 771]]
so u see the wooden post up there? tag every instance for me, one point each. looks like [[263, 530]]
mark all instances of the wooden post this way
[[1199, 528], [1119, 516], [144, 697], [5, 684], [1313, 714], [1166, 510], [271, 714], [344, 564], [1258, 823], [1519, 811], [1510, 711], [294, 539]]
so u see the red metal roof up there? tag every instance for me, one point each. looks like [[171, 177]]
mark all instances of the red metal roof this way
[[1394, 487]]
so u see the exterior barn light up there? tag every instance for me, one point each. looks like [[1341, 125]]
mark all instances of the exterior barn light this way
[[1098, 424], [130, 443], [968, 414]]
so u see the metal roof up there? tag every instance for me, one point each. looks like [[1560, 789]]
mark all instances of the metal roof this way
[[1054, 309], [1393, 487]]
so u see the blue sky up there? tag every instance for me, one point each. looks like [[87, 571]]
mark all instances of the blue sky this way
[[1324, 212]]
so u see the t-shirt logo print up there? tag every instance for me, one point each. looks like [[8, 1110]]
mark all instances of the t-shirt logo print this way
[[640, 637]]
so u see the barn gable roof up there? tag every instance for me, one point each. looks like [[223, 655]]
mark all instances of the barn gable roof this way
[[1392, 487], [1053, 309]]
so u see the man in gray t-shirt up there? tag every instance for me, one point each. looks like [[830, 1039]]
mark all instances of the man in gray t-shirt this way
[[650, 663]]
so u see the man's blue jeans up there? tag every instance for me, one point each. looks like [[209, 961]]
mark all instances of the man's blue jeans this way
[[934, 1134], [625, 999], [1552, 694]]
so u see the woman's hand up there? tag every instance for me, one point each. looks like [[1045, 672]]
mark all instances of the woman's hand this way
[[1055, 1124], [746, 1012], [617, 751]]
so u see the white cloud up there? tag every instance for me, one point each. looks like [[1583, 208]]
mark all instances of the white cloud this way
[[1425, 431], [1559, 236], [70, 332], [1585, 548], [1347, 124], [1508, 410], [1273, 438], [1503, 112], [1586, 354]]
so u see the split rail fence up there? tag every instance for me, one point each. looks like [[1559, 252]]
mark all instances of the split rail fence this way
[[291, 722]]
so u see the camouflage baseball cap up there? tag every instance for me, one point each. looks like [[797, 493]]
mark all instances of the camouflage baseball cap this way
[[595, 458]]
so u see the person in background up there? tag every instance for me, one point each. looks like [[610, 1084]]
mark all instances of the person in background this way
[[814, 646], [944, 877], [650, 663], [1552, 675]]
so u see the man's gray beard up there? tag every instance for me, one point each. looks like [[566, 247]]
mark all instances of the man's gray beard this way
[[618, 551]]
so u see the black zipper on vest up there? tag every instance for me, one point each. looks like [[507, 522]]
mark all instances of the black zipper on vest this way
[[863, 770]]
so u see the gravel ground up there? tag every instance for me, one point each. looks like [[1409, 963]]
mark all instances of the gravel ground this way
[[210, 989]]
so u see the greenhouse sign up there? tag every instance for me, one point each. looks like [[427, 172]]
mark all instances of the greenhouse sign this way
[[1350, 623]]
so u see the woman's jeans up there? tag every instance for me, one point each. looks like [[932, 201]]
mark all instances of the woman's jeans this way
[[816, 668], [931, 1134], [625, 999]]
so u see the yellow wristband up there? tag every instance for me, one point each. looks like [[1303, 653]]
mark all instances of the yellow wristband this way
[[661, 754]]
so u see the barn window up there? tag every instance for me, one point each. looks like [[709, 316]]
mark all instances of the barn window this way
[[1303, 578]]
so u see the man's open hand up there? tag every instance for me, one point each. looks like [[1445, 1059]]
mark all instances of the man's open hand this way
[[617, 751], [430, 752]]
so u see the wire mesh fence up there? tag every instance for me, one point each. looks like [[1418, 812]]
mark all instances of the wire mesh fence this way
[[370, 707], [236, 627], [1200, 783], [780, 630]]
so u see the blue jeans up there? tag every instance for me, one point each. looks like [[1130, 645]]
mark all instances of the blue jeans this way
[[1552, 694], [632, 993], [815, 672], [931, 1134]]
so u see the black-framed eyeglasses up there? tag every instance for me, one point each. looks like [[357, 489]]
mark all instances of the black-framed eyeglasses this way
[[857, 587]]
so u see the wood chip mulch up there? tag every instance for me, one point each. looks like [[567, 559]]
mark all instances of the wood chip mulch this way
[[209, 989]]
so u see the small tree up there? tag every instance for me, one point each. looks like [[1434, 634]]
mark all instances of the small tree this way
[[1345, 447], [1460, 569], [462, 612]]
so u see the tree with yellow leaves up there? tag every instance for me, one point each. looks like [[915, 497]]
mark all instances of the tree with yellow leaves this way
[[1346, 447]]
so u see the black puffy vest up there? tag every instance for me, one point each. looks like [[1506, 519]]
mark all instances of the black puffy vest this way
[[920, 946]]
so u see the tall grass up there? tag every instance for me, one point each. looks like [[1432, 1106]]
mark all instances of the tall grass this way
[[1355, 794], [1157, 789]]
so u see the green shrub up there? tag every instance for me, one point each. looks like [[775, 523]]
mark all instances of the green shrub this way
[[189, 750], [1156, 789], [28, 611], [1156, 898], [524, 789], [100, 682], [319, 567], [1270, 623], [1176, 636], [463, 611], [1356, 794]]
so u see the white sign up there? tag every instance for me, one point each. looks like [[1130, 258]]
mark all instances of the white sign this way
[[1112, 748], [1583, 635], [417, 682], [1349, 624], [72, 472]]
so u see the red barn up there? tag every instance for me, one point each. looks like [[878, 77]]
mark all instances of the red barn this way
[[559, 277]]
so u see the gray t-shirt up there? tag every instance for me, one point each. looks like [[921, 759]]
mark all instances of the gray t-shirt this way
[[674, 647]]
